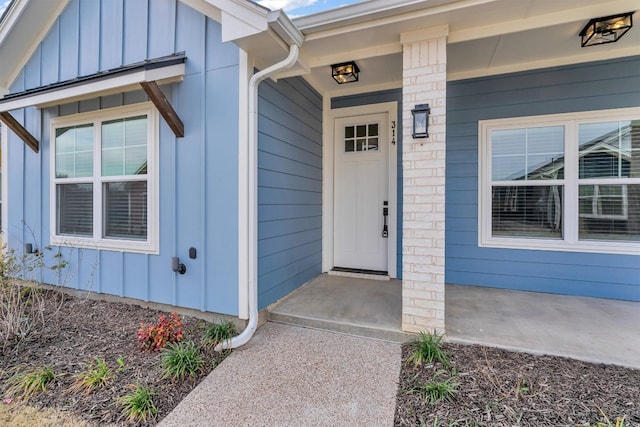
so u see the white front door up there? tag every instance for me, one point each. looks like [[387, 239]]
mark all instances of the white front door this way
[[361, 189]]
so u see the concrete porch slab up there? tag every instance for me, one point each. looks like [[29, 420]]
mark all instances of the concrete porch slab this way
[[358, 306], [590, 329]]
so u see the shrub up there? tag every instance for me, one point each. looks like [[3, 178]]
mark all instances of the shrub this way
[[95, 375], [22, 302], [156, 337], [138, 405], [29, 382], [218, 333], [436, 390], [427, 348], [180, 360]]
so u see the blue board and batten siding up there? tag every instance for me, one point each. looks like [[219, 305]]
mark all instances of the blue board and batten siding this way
[[289, 187], [584, 87], [198, 187]]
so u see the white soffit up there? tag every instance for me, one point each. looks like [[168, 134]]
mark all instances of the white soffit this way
[[485, 36]]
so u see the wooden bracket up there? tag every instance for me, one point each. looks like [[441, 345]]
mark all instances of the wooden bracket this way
[[19, 130], [162, 104]]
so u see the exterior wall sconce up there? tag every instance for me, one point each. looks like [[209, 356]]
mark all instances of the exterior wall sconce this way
[[346, 72], [177, 266], [420, 121], [607, 29]]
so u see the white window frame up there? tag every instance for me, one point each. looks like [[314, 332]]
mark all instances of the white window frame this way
[[151, 244], [570, 241]]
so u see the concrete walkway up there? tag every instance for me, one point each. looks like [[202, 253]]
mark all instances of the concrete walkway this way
[[289, 375]]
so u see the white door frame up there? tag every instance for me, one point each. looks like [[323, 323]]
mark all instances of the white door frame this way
[[328, 144]]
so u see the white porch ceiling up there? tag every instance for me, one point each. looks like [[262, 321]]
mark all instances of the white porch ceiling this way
[[485, 37]]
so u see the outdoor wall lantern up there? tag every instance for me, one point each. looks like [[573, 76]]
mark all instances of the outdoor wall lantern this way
[[346, 72], [421, 121], [177, 266], [607, 29]]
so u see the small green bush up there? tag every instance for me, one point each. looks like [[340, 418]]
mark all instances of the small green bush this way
[[138, 405], [29, 382], [427, 348], [436, 390], [95, 375], [218, 333], [180, 360]]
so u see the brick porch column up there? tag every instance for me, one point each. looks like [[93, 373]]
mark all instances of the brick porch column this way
[[424, 82]]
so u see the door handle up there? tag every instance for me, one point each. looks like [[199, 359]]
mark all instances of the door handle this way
[[385, 213]]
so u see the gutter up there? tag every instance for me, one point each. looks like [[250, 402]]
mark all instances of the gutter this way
[[282, 26]]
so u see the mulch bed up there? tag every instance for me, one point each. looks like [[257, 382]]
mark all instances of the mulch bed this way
[[77, 331], [504, 388]]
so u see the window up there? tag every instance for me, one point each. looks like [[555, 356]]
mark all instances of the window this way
[[361, 137], [104, 175], [563, 182]]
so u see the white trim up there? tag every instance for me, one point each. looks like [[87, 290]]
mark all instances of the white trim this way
[[102, 87], [327, 184], [151, 245], [570, 241], [328, 170], [244, 74], [4, 237], [44, 30], [424, 34]]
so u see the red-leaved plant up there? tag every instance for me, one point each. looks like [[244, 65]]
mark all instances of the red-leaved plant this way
[[156, 337]]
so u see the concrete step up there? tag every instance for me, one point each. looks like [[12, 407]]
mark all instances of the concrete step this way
[[342, 327]]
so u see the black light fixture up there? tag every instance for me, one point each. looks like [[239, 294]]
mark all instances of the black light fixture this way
[[345, 72], [607, 29], [421, 121]]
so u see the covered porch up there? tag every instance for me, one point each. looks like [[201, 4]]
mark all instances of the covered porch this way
[[589, 329]]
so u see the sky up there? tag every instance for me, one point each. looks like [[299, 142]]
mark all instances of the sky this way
[[304, 7], [3, 5]]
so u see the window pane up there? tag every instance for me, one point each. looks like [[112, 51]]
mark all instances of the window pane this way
[[609, 150], [609, 212], [125, 207], [532, 211], [74, 151], [349, 145], [527, 154], [124, 146], [373, 144], [348, 132], [74, 207], [373, 129]]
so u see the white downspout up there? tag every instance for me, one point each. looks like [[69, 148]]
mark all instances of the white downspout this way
[[254, 82]]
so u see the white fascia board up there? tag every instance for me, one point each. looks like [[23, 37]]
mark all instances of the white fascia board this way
[[11, 17], [102, 87], [280, 23], [373, 15], [19, 40], [234, 28], [239, 18], [378, 8]]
